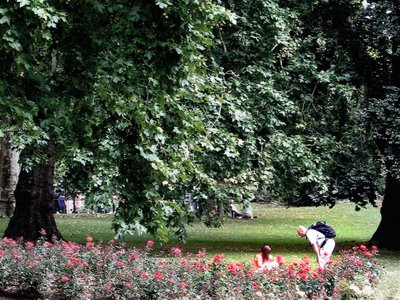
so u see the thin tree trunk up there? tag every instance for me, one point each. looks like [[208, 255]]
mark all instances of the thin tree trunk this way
[[9, 170], [34, 203]]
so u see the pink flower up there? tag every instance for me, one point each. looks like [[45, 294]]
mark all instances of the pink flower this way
[[363, 247], [89, 239], [128, 285], [65, 279], [43, 232], [143, 275], [359, 263], [201, 254], [185, 262], [70, 264], [107, 287], [367, 254], [321, 280], [120, 264], [133, 256], [85, 264], [29, 245], [150, 244], [176, 251]]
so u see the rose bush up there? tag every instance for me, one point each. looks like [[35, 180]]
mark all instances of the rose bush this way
[[65, 270]]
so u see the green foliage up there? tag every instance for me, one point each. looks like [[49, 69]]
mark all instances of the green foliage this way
[[148, 102]]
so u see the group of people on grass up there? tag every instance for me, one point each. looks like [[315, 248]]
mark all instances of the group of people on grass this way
[[246, 213], [322, 247]]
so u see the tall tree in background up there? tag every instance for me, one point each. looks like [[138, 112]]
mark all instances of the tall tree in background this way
[[361, 43], [120, 93], [25, 69], [379, 63]]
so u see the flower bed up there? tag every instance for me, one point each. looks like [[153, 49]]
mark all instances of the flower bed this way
[[65, 270]]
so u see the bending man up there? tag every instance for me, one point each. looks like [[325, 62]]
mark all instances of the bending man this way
[[322, 246]]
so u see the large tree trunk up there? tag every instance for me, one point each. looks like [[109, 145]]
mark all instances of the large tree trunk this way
[[385, 236], [34, 203], [9, 170]]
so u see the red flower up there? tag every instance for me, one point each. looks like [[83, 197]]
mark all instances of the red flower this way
[[363, 247], [203, 268], [255, 285], [304, 276], [158, 275], [133, 256], [218, 257], [150, 244], [367, 254], [195, 263], [232, 269]]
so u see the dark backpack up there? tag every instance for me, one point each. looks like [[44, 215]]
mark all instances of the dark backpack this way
[[324, 228]]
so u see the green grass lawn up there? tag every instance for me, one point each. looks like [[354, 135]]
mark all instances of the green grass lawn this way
[[239, 240]]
